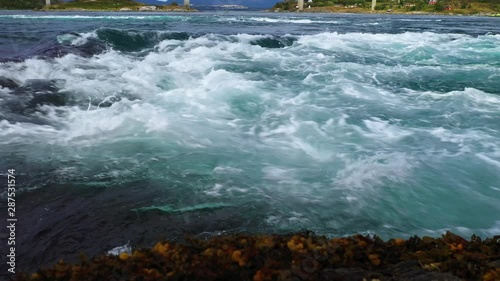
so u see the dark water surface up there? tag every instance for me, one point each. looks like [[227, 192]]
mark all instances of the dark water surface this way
[[138, 127]]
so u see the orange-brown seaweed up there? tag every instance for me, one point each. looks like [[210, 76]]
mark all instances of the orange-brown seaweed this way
[[300, 256]]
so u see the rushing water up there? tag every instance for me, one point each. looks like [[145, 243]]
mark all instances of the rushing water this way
[[138, 127]]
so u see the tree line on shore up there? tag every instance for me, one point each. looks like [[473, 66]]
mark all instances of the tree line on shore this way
[[61, 4], [24, 4], [410, 5]]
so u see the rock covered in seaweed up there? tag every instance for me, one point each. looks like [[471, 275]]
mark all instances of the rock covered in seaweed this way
[[301, 256]]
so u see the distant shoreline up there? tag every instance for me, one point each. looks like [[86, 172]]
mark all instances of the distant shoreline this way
[[96, 10], [334, 10], [307, 11]]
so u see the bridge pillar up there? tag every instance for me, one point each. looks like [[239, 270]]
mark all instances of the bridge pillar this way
[[300, 3], [186, 3], [47, 2], [374, 3]]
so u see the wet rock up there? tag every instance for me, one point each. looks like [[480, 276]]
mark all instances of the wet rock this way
[[412, 271], [495, 264], [405, 268], [451, 238], [426, 240], [428, 276], [349, 274]]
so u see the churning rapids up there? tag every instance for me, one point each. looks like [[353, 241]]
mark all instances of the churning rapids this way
[[137, 127]]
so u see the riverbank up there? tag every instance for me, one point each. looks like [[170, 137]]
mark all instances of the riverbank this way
[[99, 6], [336, 10], [474, 9], [300, 256], [119, 8], [116, 10], [312, 10]]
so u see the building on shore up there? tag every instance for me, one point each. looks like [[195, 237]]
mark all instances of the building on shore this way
[[300, 4]]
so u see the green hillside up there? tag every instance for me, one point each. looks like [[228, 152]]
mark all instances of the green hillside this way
[[402, 6], [23, 4], [75, 4], [98, 4]]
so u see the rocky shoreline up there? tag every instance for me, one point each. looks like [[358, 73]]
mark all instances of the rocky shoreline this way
[[299, 256], [319, 11], [122, 10], [335, 10]]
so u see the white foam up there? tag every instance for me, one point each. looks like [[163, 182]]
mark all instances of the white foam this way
[[77, 39], [83, 38], [278, 173], [374, 170], [279, 20], [494, 229], [215, 191], [383, 130], [447, 136], [493, 162], [227, 170], [474, 95], [294, 220], [4, 91], [297, 120], [276, 20], [25, 132]]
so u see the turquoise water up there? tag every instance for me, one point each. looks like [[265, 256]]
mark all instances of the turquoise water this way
[[255, 122]]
